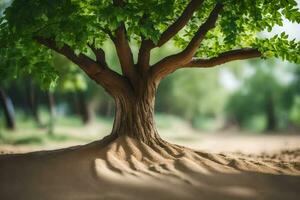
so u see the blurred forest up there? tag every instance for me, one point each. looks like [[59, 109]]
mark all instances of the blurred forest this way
[[256, 95]]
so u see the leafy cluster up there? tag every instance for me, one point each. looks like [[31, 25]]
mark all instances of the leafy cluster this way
[[240, 25], [21, 57], [280, 46]]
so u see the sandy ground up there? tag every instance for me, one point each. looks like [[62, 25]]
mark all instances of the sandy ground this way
[[226, 166]]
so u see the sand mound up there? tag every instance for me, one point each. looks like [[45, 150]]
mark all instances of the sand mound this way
[[124, 168]]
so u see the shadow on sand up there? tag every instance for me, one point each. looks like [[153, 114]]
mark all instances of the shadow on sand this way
[[73, 174]]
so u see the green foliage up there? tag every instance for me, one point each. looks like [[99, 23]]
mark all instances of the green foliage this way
[[240, 24], [281, 47], [78, 22], [22, 57]]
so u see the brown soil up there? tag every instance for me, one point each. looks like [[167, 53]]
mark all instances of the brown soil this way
[[129, 169]]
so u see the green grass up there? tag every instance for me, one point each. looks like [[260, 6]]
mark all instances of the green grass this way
[[28, 132], [16, 138], [256, 124], [165, 121], [70, 128], [204, 123]]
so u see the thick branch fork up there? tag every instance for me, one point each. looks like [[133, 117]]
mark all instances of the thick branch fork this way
[[107, 78], [170, 32], [171, 63]]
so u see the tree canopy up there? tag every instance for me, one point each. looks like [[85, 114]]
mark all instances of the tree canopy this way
[[209, 32]]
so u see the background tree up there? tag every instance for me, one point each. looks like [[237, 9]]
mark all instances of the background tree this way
[[8, 110], [195, 95], [72, 81], [258, 96], [32, 98], [291, 99], [213, 32], [266, 94]]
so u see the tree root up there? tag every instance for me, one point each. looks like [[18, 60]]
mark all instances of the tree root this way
[[129, 157]]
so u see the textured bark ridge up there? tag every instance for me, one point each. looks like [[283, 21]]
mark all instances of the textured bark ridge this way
[[134, 115]]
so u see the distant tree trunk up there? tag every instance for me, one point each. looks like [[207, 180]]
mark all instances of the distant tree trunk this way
[[33, 103], [84, 111], [8, 109], [229, 123], [106, 108], [270, 113], [51, 105], [109, 109]]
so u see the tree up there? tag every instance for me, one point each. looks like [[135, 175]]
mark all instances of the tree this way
[[291, 99], [260, 94], [32, 99], [210, 33], [266, 96]]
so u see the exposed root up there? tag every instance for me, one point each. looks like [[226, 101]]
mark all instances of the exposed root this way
[[128, 157]]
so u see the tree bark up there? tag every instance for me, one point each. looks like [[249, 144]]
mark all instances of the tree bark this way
[[134, 114], [8, 110]]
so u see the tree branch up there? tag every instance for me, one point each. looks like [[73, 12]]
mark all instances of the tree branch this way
[[238, 54], [171, 63], [104, 30], [110, 80], [124, 51], [209, 24], [171, 31], [180, 22], [81, 59], [123, 48], [144, 55], [100, 55]]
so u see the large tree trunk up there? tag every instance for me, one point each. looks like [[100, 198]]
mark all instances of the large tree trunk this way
[[134, 115], [8, 110]]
